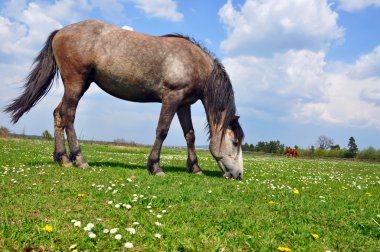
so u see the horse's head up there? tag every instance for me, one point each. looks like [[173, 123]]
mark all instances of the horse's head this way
[[225, 146]]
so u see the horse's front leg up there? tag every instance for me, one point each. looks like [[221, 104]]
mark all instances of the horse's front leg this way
[[184, 116], [168, 110]]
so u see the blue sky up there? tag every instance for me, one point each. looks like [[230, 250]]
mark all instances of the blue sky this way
[[300, 69]]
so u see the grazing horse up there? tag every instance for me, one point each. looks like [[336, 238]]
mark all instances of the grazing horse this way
[[289, 151], [171, 69]]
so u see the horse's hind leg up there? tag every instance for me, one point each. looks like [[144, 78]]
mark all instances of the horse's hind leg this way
[[184, 116], [67, 110], [60, 154]]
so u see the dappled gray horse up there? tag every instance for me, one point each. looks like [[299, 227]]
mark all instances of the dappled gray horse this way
[[170, 69]]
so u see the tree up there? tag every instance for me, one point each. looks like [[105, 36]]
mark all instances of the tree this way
[[352, 147], [324, 142], [46, 135], [4, 132]]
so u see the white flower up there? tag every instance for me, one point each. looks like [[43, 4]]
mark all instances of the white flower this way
[[158, 224], [117, 205], [90, 225], [136, 223], [114, 230], [132, 231], [110, 202], [127, 206], [149, 206], [77, 224], [106, 231], [159, 216], [164, 211], [73, 246], [91, 235], [128, 245], [118, 237], [158, 236], [87, 228]]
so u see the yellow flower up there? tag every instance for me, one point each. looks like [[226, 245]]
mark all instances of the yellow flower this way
[[369, 194], [295, 191], [271, 202], [315, 236], [48, 228], [81, 194], [284, 249]]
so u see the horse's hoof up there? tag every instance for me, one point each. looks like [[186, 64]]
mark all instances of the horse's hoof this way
[[67, 164], [198, 173], [83, 166], [160, 174]]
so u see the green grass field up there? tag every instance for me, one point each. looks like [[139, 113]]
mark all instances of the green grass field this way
[[282, 204]]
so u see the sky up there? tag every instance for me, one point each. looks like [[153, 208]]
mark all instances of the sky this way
[[299, 68]]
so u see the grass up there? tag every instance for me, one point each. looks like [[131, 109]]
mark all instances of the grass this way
[[280, 203]]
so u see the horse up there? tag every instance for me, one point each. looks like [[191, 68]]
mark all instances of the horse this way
[[289, 151], [172, 69]]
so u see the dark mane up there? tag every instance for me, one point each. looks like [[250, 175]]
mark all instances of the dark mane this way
[[219, 94]]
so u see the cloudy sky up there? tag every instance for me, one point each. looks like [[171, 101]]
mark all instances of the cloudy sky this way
[[299, 68]]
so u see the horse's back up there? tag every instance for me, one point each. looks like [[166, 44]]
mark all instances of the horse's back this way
[[130, 65]]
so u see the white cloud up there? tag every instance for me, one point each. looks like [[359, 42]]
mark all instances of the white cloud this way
[[264, 27], [367, 65], [357, 5], [166, 9], [128, 28]]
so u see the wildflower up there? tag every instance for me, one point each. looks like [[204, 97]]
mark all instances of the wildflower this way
[[284, 249], [159, 216], [158, 236], [315, 236], [110, 202], [114, 230], [77, 224], [106, 231], [48, 228], [164, 211], [271, 202], [132, 231], [128, 245], [295, 191], [81, 194], [136, 223], [117, 205], [118, 237], [127, 206], [73, 246], [91, 235], [369, 194], [209, 191], [89, 227], [158, 224], [149, 206]]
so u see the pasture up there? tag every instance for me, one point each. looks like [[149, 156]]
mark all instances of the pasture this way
[[283, 204]]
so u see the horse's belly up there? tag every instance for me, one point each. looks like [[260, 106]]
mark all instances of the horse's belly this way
[[123, 88]]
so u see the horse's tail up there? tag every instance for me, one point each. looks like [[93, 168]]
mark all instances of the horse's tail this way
[[38, 82]]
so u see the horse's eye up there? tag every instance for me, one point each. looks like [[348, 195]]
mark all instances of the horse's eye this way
[[235, 143]]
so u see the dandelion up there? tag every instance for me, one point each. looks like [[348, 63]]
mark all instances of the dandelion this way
[[295, 191], [48, 228], [158, 236], [77, 224], [132, 231], [369, 194], [118, 237], [284, 249], [114, 230], [81, 194], [271, 202], [91, 235], [128, 245], [315, 236]]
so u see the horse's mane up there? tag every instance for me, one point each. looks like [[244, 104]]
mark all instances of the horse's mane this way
[[219, 93]]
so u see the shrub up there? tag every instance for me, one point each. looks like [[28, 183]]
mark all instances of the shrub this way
[[369, 153]]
